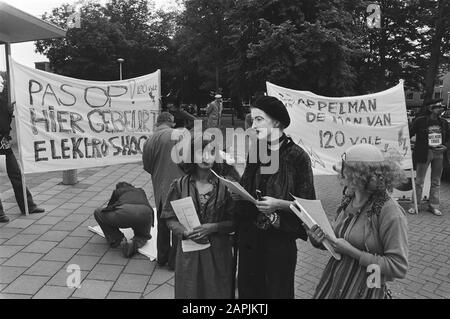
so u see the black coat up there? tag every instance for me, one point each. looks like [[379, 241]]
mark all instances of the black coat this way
[[419, 127], [267, 258]]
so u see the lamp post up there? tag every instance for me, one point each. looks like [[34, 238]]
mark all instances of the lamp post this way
[[120, 60]]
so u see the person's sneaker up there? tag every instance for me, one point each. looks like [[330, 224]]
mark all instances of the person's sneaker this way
[[129, 248], [436, 211], [37, 210], [4, 219]]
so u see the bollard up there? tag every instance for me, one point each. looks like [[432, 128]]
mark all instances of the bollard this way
[[70, 177]]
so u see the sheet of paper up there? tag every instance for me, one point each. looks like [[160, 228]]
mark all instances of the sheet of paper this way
[[187, 215], [237, 188], [149, 250], [312, 213]]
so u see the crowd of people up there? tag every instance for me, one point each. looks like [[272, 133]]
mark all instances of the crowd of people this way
[[257, 242]]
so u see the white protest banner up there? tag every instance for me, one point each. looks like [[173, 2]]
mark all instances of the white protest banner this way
[[326, 126], [66, 123]]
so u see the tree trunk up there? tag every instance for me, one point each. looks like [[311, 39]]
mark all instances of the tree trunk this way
[[435, 56]]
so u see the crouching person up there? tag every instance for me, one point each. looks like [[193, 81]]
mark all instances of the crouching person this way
[[128, 207]]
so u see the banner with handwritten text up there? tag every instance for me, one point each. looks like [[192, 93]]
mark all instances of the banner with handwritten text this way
[[66, 123], [326, 126]]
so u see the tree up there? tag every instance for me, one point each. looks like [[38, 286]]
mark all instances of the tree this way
[[307, 45], [128, 29]]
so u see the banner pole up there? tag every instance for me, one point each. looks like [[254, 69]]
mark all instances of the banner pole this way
[[16, 119], [414, 191], [159, 91]]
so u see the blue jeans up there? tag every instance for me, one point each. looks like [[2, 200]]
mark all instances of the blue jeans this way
[[436, 159]]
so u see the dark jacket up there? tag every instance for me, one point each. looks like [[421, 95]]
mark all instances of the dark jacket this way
[[127, 194], [267, 258], [419, 127], [5, 115]]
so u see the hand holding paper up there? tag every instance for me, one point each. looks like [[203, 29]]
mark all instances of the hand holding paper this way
[[187, 215], [312, 213]]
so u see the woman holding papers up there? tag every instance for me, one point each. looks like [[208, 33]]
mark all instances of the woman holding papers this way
[[267, 228], [371, 229], [204, 273]]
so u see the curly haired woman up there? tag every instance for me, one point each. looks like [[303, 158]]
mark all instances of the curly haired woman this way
[[370, 227]]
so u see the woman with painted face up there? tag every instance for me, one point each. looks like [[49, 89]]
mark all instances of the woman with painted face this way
[[205, 273], [370, 227], [267, 231]]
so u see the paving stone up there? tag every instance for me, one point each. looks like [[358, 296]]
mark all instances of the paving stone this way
[[97, 239], [73, 242], [23, 259], [54, 292], [14, 296], [49, 220], [114, 257], [60, 278], [45, 268], [94, 249], [8, 251], [105, 272], [60, 254], [60, 212], [82, 231], [70, 205], [140, 267], [160, 276], [131, 283], [69, 226], [20, 223], [76, 218], [21, 240], [36, 229], [149, 289], [84, 262], [163, 292], [8, 233], [40, 246], [94, 289], [123, 295], [54, 235], [26, 284], [9, 274]]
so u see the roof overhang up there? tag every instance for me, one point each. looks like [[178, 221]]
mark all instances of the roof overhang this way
[[19, 26]]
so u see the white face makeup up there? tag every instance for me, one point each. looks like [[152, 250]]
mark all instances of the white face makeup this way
[[263, 124]]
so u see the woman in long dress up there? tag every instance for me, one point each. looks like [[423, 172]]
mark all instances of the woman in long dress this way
[[206, 273]]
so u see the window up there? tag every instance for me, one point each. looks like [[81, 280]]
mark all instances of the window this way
[[440, 82], [437, 95], [421, 96], [409, 95]]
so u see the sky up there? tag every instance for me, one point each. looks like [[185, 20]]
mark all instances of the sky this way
[[24, 52]]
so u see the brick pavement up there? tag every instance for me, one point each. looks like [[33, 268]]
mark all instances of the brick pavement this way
[[36, 250]]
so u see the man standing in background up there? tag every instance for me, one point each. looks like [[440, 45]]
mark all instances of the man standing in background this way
[[12, 167], [158, 162]]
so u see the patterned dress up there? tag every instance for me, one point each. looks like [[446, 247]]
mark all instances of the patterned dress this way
[[378, 229]]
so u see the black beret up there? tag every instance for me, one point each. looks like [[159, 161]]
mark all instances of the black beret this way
[[434, 101], [274, 108]]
